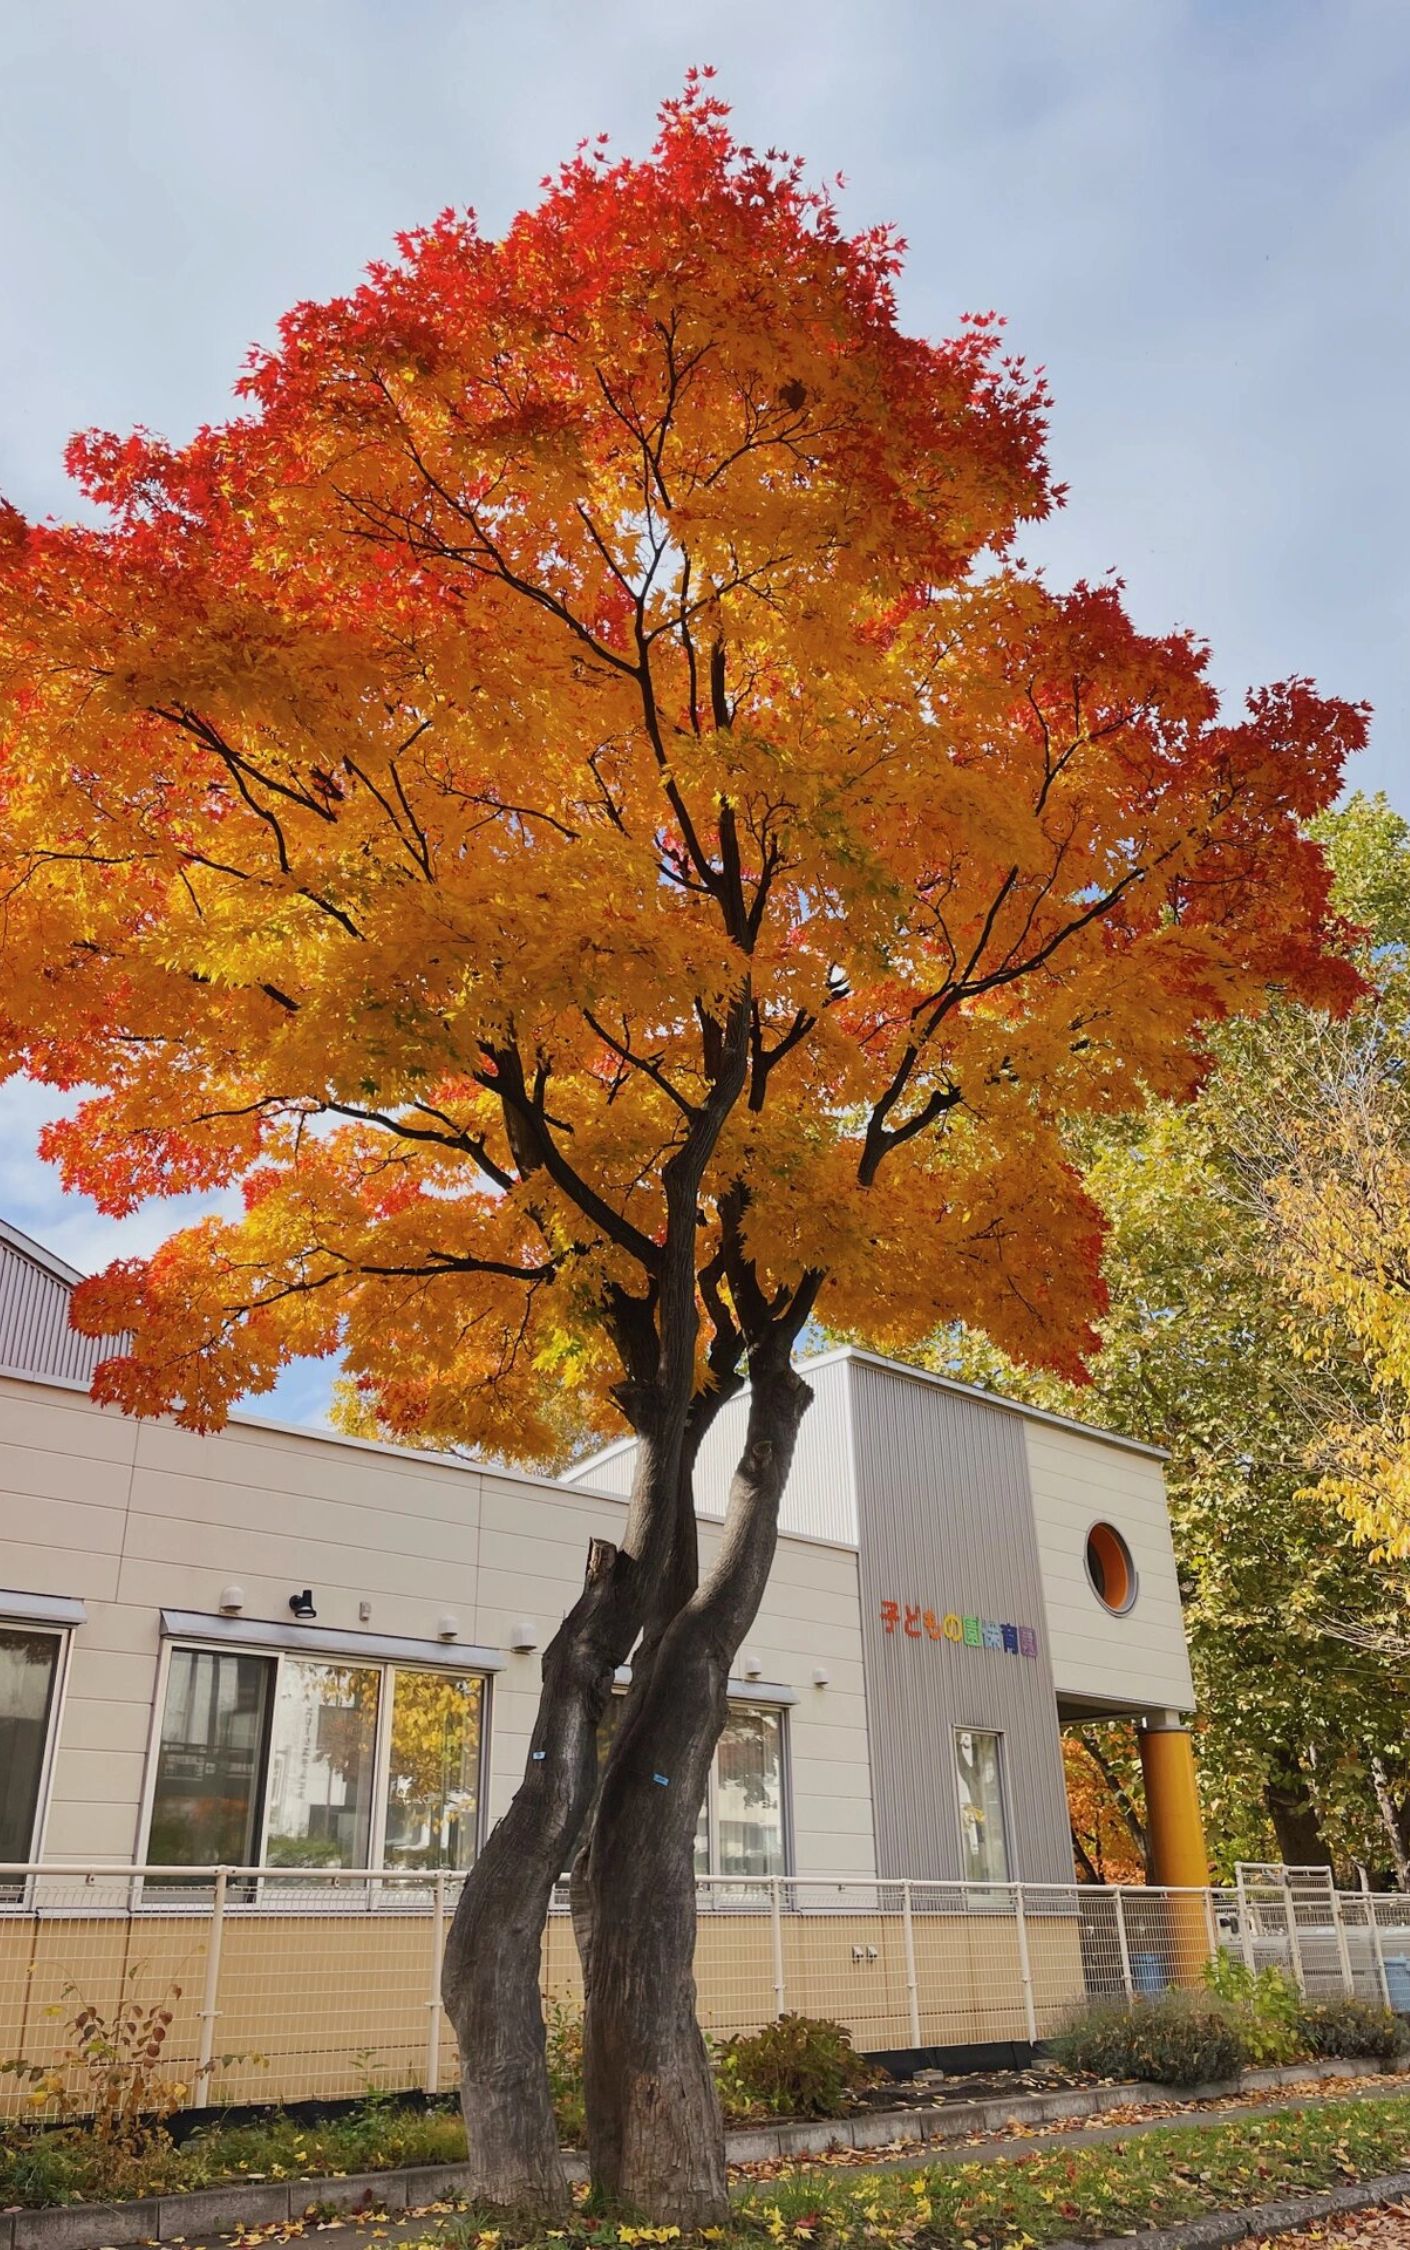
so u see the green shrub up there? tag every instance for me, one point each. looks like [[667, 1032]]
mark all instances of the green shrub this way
[[1176, 2039], [564, 2050], [1266, 2004], [800, 2066], [1349, 2027]]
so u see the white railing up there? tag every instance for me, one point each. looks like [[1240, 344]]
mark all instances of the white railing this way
[[298, 1983]]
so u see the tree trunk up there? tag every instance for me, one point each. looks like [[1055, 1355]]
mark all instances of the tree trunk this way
[[491, 1971], [655, 2136], [1121, 1797], [1295, 1819], [1393, 1822]]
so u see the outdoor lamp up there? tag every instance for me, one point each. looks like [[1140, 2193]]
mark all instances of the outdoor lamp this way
[[301, 1605]]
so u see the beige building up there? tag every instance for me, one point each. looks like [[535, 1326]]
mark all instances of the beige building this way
[[278, 1646]]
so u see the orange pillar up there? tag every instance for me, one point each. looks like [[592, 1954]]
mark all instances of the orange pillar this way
[[1173, 1823], [1179, 1861]]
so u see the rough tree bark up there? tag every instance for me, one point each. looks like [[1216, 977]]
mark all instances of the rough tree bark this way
[[655, 2136], [490, 1974], [1394, 1823], [1295, 1819]]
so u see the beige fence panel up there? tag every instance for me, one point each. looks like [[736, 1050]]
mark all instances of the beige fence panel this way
[[307, 1983]]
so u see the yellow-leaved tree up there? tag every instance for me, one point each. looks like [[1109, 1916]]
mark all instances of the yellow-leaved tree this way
[[1339, 1202]]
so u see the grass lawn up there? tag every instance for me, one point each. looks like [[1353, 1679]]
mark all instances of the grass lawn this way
[[69, 2166], [1151, 2180]]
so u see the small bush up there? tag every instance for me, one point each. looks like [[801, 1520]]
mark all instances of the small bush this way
[[1349, 2027], [1177, 2039], [801, 2066], [1267, 2006]]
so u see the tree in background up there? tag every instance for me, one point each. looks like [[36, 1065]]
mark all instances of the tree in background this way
[[571, 804], [1101, 1766], [1339, 1204], [1218, 1345]]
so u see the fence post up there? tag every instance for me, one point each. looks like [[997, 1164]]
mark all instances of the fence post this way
[[1348, 1982], [1025, 1969], [912, 1989], [1244, 1907], [1294, 1941], [1122, 1946], [776, 1915], [433, 1998], [1373, 1923], [1211, 1924], [209, 2011]]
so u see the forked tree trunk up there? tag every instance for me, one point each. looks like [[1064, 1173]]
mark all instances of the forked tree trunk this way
[[655, 2136], [491, 1970]]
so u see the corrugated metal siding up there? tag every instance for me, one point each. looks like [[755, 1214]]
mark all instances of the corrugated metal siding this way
[[947, 1524], [35, 1335], [610, 1474], [820, 1499]]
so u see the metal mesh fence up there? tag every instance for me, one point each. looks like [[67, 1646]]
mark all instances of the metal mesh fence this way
[[292, 1984]]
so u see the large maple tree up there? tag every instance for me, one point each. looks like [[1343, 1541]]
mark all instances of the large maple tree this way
[[572, 802]]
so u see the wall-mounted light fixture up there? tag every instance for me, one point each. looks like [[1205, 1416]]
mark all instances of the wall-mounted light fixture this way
[[301, 1605], [523, 1636], [753, 1664], [821, 1675], [447, 1627], [232, 1600]]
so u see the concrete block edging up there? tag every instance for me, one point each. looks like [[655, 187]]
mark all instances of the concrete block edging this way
[[217, 2210], [1217, 2230]]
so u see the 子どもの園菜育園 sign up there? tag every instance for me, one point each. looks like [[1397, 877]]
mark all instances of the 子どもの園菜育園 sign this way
[[917, 1623]]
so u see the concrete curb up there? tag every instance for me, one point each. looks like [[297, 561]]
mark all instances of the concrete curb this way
[[1217, 2229], [220, 2210]]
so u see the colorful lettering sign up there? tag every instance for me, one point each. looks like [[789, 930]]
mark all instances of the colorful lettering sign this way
[[915, 1621]]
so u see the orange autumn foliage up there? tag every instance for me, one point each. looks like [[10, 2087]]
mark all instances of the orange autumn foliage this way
[[577, 644], [1110, 1851]]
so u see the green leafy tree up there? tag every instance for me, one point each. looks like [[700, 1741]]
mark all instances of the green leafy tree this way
[[1208, 1347]]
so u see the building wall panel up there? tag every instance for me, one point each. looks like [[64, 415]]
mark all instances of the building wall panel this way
[[141, 1517], [820, 1499], [947, 1524], [1141, 1656]]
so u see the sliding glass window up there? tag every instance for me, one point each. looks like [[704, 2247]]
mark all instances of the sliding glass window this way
[[984, 1852], [294, 1761], [29, 1679], [742, 1825]]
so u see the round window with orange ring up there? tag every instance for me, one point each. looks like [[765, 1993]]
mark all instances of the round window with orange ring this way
[[1110, 1568]]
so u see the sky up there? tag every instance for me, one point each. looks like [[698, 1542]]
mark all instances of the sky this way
[[1194, 213]]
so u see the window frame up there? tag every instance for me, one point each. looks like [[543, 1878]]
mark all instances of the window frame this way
[[766, 1709], [982, 1883], [1102, 1529], [388, 1667], [61, 1632]]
